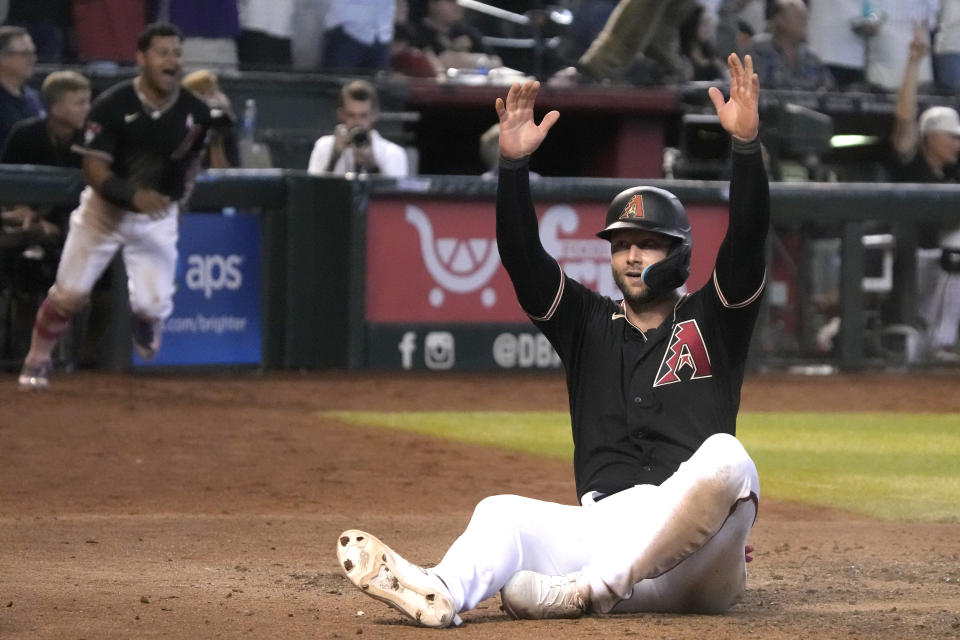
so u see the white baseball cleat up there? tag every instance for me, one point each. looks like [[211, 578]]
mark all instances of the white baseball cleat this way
[[382, 574], [529, 595], [34, 377]]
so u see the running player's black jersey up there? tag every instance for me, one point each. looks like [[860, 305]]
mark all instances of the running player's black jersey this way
[[149, 148], [641, 403]]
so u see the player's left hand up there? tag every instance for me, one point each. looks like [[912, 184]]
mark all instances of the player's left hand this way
[[747, 550], [740, 114]]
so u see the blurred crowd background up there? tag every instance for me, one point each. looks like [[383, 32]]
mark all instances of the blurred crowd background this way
[[817, 44]]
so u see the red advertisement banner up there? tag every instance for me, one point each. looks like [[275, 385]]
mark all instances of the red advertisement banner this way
[[431, 260]]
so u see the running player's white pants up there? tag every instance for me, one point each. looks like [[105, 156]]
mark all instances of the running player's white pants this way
[[676, 547], [97, 231]]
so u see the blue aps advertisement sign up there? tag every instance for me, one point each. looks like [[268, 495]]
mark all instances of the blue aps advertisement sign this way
[[216, 312]]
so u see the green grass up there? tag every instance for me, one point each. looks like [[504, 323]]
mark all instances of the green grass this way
[[544, 433], [884, 465]]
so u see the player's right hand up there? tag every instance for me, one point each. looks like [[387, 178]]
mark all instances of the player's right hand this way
[[151, 202], [519, 134]]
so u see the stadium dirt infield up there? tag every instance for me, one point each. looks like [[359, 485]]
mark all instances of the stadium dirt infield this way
[[208, 506]]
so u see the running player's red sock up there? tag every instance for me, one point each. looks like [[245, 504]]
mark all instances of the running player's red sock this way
[[47, 329]]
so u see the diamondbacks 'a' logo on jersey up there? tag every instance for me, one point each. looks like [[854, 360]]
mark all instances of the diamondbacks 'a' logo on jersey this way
[[686, 349], [634, 208]]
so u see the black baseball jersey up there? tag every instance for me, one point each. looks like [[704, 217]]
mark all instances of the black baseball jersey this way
[[641, 403], [148, 147], [30, 143]]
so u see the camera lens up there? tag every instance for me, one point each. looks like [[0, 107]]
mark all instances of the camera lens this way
[[360, 138]]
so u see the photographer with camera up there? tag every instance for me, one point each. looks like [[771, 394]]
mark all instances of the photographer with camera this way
[[354, 145]]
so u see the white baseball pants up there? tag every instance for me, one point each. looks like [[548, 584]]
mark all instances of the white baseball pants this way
[[98, 230], [676, 547], [939, 299]]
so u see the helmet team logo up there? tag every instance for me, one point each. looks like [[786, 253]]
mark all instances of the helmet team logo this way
[[634, 208], [686, 350]]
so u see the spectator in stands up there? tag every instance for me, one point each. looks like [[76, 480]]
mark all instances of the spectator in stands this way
[[266, 29], [946, 48], [588, 21], [781, 56], [223, 151], [896, 20], [410, 60], [457, 44], [838, 35], [31, 237], [358, 35], [210, 29], [635, 27], [47, 139], [405, 56], [735, 25], [103, 28], [46, 21], [886, 63], [699, 58], [17, 59], [355, 146], [306, 41], [927, 151]]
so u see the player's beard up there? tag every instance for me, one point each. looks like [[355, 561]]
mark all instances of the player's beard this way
[[635, 298]]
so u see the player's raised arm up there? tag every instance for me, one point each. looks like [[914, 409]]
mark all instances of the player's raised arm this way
[[535, 274], [741, 260], [519, 134]]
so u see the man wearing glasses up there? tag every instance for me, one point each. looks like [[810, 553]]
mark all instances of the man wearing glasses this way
[[17, 100]]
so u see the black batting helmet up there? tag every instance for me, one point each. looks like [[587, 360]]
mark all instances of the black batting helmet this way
[[659, 211]]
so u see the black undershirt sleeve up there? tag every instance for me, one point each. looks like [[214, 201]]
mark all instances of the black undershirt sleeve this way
[[741, 259], [535, 274]]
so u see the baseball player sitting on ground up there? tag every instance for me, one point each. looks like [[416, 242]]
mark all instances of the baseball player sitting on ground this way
[[667, 494], [142, 146]]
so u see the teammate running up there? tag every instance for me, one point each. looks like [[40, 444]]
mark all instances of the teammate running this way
[[142, 144], [667, 494]]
